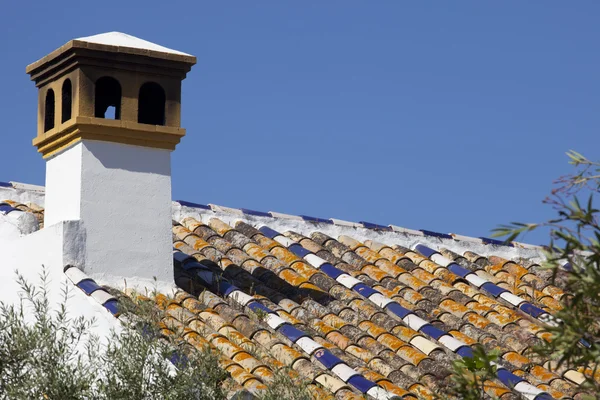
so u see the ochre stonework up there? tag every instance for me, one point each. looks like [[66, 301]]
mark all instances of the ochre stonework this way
[[84, 63]]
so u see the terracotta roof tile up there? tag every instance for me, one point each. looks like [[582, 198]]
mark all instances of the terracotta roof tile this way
[[356, 317]]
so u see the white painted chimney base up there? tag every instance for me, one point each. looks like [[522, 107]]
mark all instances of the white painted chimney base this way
[[122, 195]]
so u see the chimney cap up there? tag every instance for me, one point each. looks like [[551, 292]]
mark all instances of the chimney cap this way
[[116, 42], [120, 39]]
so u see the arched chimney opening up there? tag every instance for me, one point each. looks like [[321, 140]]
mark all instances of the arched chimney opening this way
[[151, 104], [107, 102], [67, 100], [49, 111]]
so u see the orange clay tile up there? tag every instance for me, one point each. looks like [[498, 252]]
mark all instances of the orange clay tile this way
[[225, 262], [338, 339], [554, 292], [226, 347], [286, 354], [499, 319], [542, 374], [411, 281], [443, 287], [454, 308], [334, 321], [547, 336], [292, 277], [255, 386], [517, 359], [469, 291], [196, 339], [361, 354], [411, 354], [415, 257], [534, 280], [284, 255], [551, 303], [321, 326], [196, 242], [310, 245], [377, 364], [266, 243], [371, 328], [413, 296], [304, 269], [446, 275], [368, 254], [219, 226], [191, 223], [386, 292], [392, 255], [256, 252], [389, 267], [250, 364], [461, 336], [404, 303], [235, 336], [264, 373], [494, 389], [390, 341], [515, 269], [429, 266], [494, 269], [288, 317], [478, 308], [476, 320], [240, 375], [374, 273], [422, 392], [506, 278], [179, 245], [350, 242], [386, 384], [404, 332], [423, 275], [181, 231]]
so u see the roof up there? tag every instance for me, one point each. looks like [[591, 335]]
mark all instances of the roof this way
[[355, 308], [120, 39]]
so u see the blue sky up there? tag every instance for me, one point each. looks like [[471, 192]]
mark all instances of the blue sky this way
[[447, 116]]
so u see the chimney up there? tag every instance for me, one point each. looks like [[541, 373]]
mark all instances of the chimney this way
[[109, 111]]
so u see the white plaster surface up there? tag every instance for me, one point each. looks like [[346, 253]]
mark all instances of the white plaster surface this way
[[125, 40], [126, 209], [51, 247], [18, 222], [122, 194], [63, 186], [22, 195]]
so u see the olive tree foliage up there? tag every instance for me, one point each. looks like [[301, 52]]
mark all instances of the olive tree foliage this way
[[574, 238], [287, 385], [472, 376], [46, 354]]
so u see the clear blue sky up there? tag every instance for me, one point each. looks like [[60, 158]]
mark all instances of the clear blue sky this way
[[448, 116]]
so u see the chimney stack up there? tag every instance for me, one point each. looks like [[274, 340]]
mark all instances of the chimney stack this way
[[109, 110]]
